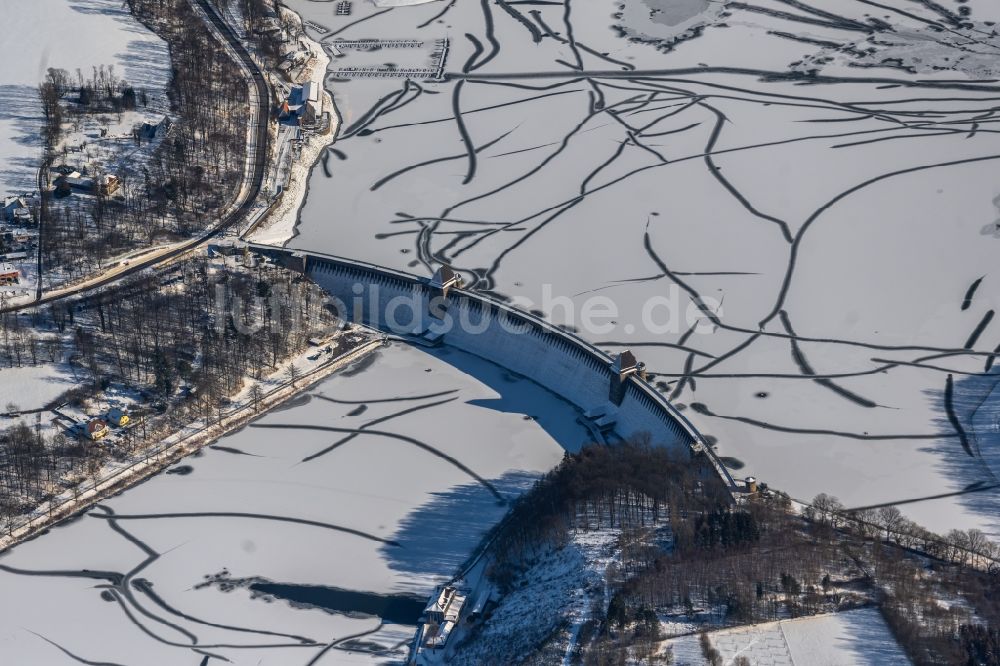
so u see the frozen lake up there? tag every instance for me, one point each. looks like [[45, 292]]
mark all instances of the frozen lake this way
[[820, 177], [355, 499]]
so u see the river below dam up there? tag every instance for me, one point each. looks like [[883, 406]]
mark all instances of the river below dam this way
[[329, 518]]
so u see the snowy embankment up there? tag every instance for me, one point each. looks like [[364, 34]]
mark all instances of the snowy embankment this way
[[549, 604], [116, 475], [278, 225]]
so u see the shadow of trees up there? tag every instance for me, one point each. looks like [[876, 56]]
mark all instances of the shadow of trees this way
[[23, 111], [437, 537], [976, 405]]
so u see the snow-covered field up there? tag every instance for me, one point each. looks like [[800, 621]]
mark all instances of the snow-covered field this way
[[32, 387], [70, 35], [380, 480], [820, 176], [852, 638]]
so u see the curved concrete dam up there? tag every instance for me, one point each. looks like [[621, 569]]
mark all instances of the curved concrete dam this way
[[610, 392]]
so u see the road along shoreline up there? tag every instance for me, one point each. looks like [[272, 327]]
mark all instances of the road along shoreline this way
[[178, 446]]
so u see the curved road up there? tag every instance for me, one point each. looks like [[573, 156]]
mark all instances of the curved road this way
[[247, 196]]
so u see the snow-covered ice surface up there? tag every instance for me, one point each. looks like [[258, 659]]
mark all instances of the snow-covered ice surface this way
[[826, 171], [380, 480], [852, 638], [65, 34]]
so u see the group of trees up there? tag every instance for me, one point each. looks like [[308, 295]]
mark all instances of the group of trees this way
[[750, 564], [102, 92], [27, 462], [50, 93], [205, 329], [80, 233], [964, 566], [939, 613], [726, 564], [981, 644], [643, 491], [725, 529], [775, 564], [630, 485], [967, 547], [266, 26], [185, 342], [191, 176], [21, 345]]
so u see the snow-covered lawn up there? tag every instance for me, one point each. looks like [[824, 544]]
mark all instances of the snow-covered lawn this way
[[379, 480], [851, 638], [33, 387]]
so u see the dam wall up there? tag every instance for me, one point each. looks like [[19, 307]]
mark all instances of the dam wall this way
[[415, 308]]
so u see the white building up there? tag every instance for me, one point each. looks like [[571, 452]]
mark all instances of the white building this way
[[312, 102], [440, 618], [15, 209]]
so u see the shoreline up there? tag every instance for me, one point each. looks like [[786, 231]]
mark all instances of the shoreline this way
[[336, 122], [127, 477], [280, 225]]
